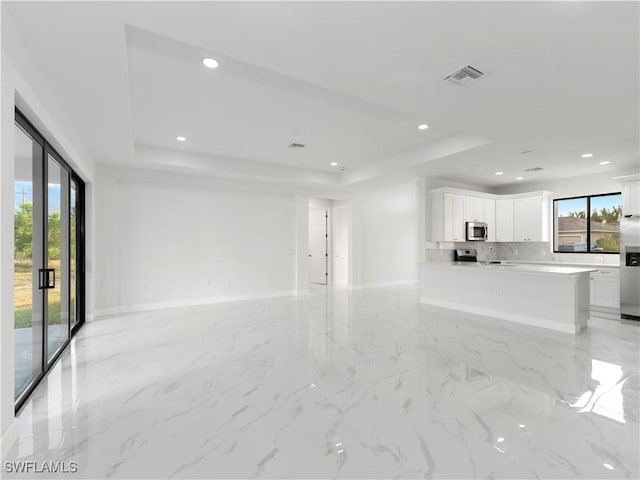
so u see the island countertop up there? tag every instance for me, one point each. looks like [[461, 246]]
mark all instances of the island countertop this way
[[514, 267], [548, 296]]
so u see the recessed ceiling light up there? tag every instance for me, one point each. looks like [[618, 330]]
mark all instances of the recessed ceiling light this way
[[607, 466], [521, 425], [210, 62], [519, 178], [181, 139], [606, 162], [499, 173], [334, 164], [423, 126], [500, 439], [587, 155]]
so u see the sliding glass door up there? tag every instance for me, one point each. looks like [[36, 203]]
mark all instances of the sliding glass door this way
[[28, 318], [48, 250]]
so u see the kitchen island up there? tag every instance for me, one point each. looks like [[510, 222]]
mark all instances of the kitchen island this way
[[546, 296]]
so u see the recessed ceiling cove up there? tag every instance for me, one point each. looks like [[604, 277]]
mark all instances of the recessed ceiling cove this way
[[246, 112]]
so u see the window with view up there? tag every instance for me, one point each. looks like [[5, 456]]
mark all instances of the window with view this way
[[589, 224]]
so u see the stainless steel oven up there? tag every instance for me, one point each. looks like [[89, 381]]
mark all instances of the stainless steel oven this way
[[476, 231]]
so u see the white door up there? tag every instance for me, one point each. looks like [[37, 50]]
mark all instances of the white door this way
[[318, 240], [341, 217]]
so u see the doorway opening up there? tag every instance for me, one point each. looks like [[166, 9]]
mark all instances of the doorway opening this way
[[329, 242]]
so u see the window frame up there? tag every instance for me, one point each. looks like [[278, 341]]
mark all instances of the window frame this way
[[588, 214]]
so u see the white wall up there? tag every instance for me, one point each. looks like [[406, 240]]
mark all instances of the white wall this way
[[166, 240], [385, 236], [24, 85]]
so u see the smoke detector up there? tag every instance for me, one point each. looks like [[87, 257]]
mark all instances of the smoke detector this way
[[296, 145], [534, 169], [465, 76]]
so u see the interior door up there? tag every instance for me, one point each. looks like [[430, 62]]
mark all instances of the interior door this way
[[341, 218], [318, 246]]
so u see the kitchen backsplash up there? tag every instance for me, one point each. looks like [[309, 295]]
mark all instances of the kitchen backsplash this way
[[513, 251]]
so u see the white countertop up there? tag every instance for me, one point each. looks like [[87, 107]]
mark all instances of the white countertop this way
[[563, 263], [515, 267]]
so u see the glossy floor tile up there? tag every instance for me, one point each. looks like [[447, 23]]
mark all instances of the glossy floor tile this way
[[338, 384]]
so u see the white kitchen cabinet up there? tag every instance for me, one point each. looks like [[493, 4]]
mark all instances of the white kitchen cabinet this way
[[454, 218], [490, 218], [474, 209], [504, 220], [520, 218], [447, 221], [631, 198], [530, 217], [605, 288], [479, 209]]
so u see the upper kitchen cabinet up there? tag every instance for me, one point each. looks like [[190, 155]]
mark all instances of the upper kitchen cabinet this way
[[447, 221], [631, 198], [452, 208], [510, 218], [504, 220], [531, 218]]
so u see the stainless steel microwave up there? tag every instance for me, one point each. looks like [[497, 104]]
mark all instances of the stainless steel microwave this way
[[477, 231]]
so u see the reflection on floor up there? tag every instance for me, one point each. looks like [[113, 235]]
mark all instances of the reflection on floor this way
[[338, 384], [28, 351]]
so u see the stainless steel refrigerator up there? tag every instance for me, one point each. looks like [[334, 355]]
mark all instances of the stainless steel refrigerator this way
[[630, 267]]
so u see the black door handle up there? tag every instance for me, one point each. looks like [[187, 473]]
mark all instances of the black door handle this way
[[46, 278], [51, 278]]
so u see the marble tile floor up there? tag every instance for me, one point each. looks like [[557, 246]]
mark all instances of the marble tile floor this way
[[337, 384]]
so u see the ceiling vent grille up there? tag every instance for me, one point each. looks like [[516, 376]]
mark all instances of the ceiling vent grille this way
[[534, 169], [296, 145], [465, 76]]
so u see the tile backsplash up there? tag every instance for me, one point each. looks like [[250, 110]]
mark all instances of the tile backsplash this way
[[513, 251]]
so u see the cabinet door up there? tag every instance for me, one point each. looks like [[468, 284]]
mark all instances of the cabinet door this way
[[504, 220], [520, 220], [631, 198], [474, 209], [490, 218], [458, 219], [454, 218], [469, 208], [605, 291], [534, 219], [479, 210]]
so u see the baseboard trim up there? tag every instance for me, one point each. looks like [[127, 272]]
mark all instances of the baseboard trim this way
[[105, 312], [510, 317], [364, 286]]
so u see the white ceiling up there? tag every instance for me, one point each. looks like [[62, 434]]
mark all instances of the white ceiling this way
[[351, 81]]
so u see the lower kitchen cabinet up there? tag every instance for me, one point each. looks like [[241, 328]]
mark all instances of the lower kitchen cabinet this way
[[605, 288]]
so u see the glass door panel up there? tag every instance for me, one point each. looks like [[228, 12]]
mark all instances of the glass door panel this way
[[73, 254], [27, 260], [57, 257]]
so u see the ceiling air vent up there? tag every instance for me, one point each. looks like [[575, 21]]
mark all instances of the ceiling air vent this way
[[465, 76], [296, 145], [534, 169]]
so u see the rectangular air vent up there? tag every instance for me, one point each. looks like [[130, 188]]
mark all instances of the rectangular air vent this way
[[534, 169], [465, 76], [296, 145]]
